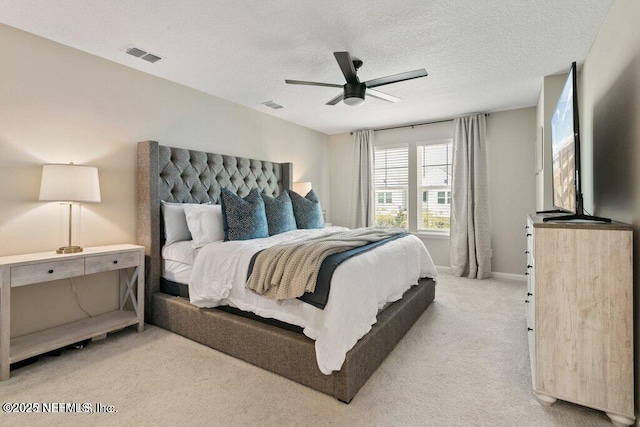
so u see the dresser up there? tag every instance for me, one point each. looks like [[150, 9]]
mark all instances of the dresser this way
[[580, 314], [29, 269]]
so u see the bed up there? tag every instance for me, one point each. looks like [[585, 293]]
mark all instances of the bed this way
[[185, 176]]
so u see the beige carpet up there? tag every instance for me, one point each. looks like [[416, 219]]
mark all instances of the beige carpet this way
[[465, 363]]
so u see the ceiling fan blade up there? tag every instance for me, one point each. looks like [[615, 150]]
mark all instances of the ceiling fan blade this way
[[346, 65], [302, 82], [334, 101], [397, 78], [381, 95]]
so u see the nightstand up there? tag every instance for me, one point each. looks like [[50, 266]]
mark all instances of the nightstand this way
[[29, 269]]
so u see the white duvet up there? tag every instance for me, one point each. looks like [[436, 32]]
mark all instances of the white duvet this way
[[359, 287]]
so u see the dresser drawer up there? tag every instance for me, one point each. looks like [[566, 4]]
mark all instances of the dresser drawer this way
[[46, 271], [96, 264]]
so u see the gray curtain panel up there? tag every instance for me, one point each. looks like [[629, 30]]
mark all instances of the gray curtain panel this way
[[363, 190], [470, 245]]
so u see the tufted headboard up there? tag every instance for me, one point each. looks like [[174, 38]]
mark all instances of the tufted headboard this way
[[179, 175]]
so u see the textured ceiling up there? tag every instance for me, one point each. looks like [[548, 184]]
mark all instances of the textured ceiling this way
[[481, 55]]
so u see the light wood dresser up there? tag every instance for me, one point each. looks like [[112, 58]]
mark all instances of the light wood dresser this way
[[29, 269], [580, 314]]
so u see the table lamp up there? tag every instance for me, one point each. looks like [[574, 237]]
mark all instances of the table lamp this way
[[70, 184], [302, 188]]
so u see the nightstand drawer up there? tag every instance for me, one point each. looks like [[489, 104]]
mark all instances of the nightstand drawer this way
[[46, 271], [96, 264]]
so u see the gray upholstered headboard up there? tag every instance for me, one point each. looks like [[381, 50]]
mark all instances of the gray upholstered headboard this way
[[186, 176]]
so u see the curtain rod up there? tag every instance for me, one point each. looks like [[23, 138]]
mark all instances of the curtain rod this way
[[415, 124]]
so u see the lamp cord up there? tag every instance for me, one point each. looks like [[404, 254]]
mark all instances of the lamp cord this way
[[73, 288]]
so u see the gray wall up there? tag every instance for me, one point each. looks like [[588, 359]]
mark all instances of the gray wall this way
[[511, 137], [610, 129]]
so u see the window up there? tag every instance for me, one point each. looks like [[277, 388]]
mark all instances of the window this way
[[435, 183], [385, 198], [391, 175], [444, 197], [424, 189]]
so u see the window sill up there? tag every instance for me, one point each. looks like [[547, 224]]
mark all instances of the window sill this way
[[444, 235]]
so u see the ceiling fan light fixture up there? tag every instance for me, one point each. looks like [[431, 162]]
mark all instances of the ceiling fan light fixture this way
[[354, 94], [354, 101]]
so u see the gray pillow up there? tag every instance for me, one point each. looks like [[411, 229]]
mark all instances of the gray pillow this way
[[243, 219], [307, 210], [279, 211]]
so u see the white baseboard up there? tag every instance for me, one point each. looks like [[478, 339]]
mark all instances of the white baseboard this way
[[509, 276], [443, 270]]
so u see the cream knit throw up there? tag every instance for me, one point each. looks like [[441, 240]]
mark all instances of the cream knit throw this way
[[289, 270]]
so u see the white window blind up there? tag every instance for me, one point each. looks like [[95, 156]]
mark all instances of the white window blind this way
[[391, 186]]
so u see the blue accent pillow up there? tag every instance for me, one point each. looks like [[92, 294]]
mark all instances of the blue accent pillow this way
[[243, 219], [307, 210], [279, 211]]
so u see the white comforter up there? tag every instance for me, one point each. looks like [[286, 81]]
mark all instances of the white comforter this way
[[359, 287]]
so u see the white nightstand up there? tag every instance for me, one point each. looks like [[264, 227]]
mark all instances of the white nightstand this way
[[23, 270]]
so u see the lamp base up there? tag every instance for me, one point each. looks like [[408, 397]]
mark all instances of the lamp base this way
[[69, 250]]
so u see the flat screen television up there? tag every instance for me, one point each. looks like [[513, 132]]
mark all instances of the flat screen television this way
[[565, 153]]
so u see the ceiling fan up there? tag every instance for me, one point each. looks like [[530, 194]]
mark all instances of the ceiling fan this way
[[354, 90]]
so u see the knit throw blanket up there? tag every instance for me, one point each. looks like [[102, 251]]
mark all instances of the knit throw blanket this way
[[289, 270]]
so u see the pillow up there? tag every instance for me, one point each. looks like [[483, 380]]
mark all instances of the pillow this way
[[279, 212], [205, 223], [243, 219], [175, 222], [307, 210]]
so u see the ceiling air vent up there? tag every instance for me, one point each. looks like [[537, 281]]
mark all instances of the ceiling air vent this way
[[273, 105], [136, 52], [151, 58], [142, 54]]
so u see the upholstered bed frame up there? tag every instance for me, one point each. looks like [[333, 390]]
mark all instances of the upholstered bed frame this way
[[187, 176]]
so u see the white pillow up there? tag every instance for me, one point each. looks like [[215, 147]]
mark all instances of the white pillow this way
[[175, 223], [205, 223]]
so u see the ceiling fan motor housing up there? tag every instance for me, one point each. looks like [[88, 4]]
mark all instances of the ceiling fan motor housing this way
[[354, 93]]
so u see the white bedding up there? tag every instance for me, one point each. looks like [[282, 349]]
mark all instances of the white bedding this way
[[359, 287], [182, 252], [177, 261]]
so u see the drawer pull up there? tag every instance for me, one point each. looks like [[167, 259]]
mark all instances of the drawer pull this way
[[526, 274], [529, 266], [115, 261], [527, 301], [529, 294], [526, 252], [526, 227], [50, 271], [529, 234], [529, 329]]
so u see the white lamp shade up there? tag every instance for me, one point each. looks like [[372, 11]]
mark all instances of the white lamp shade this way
[[302, 188], [70, 183]]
